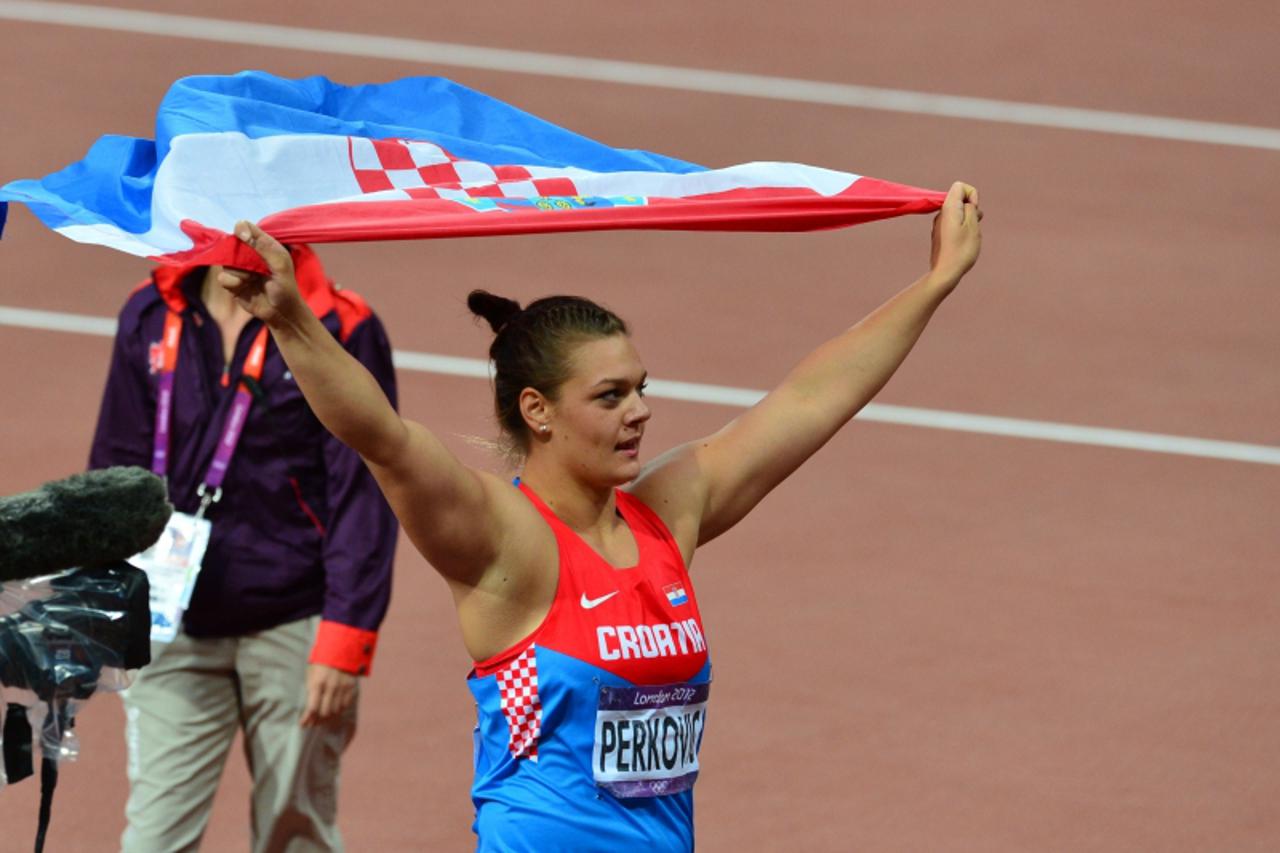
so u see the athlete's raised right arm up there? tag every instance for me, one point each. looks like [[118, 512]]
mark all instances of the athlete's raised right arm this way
[[447, 509]]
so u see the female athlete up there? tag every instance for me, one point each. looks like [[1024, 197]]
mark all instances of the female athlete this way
[[592, 674]]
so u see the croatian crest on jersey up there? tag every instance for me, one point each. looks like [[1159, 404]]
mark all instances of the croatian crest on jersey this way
[[676, 594]]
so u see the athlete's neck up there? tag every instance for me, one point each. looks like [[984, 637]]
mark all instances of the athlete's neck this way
[[592, 511]]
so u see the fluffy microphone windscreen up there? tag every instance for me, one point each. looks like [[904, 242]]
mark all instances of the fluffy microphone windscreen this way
[[88, 519]]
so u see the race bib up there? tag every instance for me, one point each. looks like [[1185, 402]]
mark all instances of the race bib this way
[[172, 565], [647, 738]]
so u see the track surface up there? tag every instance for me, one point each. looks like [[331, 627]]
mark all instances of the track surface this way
[[925, 639]]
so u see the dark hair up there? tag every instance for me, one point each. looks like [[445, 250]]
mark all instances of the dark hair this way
[[531, 348]]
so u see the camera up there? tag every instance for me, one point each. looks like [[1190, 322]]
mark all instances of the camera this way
[[58, 645]]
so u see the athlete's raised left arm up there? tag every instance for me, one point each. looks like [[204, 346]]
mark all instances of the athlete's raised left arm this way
[[705, 487]]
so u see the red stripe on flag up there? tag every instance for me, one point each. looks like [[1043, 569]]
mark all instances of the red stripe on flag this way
[[763, 209], [739, 210]]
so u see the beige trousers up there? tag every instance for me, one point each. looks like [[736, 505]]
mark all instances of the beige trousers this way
[[181, 717]]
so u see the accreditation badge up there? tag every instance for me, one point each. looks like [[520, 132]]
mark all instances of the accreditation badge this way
[[647, 738], [172, 565]]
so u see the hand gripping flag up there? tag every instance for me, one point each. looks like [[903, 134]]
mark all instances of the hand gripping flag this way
[[313, 161]]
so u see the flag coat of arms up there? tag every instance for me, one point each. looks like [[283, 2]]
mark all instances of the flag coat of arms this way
[[314, 161]]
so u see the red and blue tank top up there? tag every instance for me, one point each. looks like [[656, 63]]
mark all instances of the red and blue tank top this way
[[588, 730]]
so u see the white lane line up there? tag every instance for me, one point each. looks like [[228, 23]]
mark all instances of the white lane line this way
[[639, 74], [721, 395], [449, 365], [56, 321]]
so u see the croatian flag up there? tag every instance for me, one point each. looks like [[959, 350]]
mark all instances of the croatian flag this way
[[676, 594], [313, 161]]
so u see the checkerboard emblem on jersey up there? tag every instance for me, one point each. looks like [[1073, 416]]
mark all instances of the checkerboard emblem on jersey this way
[[518, 694]]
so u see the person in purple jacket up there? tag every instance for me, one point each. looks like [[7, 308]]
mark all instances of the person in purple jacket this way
[[271, 581]]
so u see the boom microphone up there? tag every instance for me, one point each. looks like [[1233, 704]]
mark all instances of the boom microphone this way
[[89, 519]]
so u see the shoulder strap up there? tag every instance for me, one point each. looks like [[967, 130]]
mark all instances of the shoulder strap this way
[[644, 521], [557, 526]]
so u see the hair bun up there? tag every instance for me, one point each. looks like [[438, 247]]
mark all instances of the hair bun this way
[[496, 310]]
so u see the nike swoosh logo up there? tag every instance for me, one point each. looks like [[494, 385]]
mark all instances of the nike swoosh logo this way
[[588, 603]]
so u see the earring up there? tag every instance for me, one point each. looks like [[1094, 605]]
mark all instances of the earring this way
[[543, 428]]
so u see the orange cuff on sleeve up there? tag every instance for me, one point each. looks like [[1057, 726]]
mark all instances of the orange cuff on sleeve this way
[[345, 648]]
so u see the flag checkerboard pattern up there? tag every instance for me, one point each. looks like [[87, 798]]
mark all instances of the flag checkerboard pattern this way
[[425, 170]]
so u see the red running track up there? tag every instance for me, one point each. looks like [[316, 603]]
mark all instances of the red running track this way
[[925, 639]]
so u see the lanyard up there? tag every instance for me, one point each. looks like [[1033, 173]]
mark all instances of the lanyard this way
[[210, 490]]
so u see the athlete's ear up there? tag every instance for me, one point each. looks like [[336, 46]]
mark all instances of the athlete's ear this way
[[536, 411]]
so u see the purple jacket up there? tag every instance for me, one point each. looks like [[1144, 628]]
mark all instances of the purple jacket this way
[[301, 527]]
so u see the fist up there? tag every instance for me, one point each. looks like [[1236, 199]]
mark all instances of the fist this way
[[270, 298], [957, 234]]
